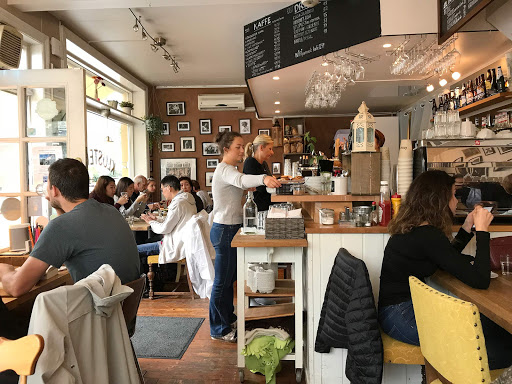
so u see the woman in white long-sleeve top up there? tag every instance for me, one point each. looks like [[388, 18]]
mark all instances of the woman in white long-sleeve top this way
[[228, 186]]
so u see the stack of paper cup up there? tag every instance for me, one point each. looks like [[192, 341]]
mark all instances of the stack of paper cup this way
[[404, 167], [385, 165]]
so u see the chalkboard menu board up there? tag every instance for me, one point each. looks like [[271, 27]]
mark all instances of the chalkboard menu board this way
[[453, 14], [297, 33]]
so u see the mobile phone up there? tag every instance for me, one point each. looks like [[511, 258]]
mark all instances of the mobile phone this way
[[488, 208]]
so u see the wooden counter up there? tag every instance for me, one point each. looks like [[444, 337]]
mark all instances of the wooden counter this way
[[320, 198], [259, 241]]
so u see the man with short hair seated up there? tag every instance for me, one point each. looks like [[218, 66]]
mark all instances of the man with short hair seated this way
[[87, 235], [180, 210]]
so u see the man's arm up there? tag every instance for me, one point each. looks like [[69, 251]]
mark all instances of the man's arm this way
[[16, 282]]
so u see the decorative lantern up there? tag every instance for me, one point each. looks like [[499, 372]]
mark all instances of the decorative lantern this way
[[363, 131], [277, 134]]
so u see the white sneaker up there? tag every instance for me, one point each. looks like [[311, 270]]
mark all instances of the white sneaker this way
[[233, 324], [229, 337]]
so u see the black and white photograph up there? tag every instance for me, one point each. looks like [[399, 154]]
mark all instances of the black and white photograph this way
[[210, 149], [212, 163], [209, 178], [264, 132], [183, 126], [224, 128], [205, 126], [166, 130], [276, 168], [178, 167], [188, 144], [167, 147], [175, 108], [245, 126]]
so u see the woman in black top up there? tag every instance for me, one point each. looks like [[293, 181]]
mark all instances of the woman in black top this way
[[420, 244], [257, 153], [186, 186]]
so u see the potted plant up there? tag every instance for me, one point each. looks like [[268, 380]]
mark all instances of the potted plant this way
[[155, 129], [112, 103], [126, 107]]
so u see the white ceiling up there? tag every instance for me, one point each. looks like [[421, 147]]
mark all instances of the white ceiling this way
[[206, 37]]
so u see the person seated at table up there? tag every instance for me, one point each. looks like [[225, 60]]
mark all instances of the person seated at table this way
[[122, 200], [140, 183], [88, 235], [104, 190], [150, 190], [203, 195], [186, 186], [420, 244], [181, 209]]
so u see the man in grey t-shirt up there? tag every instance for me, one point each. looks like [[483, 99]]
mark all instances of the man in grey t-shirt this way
[[86, 236]]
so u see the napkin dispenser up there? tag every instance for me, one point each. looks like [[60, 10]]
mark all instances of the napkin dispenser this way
[[260, 279]]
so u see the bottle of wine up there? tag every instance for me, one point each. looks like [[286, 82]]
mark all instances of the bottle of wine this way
[[483, 86], [500, 81], [476, 89], [451, 104], [469, 93], [494, 84], [462, 98], [488, 83]]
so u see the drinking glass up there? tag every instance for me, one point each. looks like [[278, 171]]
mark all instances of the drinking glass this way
[[505, 264], [130, 220]]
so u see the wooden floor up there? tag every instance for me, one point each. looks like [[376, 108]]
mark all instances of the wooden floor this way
[[206, 361]]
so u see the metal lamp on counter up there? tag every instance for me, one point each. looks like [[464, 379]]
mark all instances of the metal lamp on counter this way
[[363, 130], [277, 133]]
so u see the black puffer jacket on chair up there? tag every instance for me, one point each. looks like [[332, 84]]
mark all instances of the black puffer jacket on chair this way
[[349, 320]]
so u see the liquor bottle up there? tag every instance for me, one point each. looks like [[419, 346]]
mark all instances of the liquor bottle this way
[[500, 81], [484, 87], [462, 98], [488, 83], [384, 204], [456, 100], [434, 107], [250, 215], [469, 93], [478, 90], [494, 83], [451, 104], [475, 90], [374, 216]]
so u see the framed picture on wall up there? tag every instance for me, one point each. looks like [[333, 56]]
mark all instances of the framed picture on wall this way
[[212, 163], [183, 126], [276, 168], [224, 128], [264, 132], [166, 130], [205, 126], [175, 108], [167, 147], [188, 144], [209, 178], [178, 167], [210, 149], [245, 126]]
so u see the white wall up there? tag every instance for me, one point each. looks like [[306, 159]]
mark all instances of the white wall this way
[[404, 17]]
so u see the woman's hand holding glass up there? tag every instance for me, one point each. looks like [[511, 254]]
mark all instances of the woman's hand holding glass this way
[[123, 199], [148, 217], [482, 218], [271, 182]]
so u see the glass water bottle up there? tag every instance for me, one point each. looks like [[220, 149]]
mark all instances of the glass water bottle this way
[[250, 215]]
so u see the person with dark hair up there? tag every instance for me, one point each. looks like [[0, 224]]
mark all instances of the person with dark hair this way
[[104, 190], [186, 186], [88, 235], [228, 186], [420, 245], [124, 190], [181, 209], [203, 195]]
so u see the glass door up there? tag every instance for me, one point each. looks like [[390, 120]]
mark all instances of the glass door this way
[[42, 119]]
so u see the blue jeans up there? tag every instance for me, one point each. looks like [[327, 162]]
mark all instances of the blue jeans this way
[[221, 301], [398, 321], [148, 249]]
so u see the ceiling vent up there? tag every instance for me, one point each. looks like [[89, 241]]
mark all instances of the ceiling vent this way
[[10, 47], [226, 102]]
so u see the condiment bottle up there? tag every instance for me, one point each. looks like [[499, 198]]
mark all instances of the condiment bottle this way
[[396, 200], [374, 216], [384, 204]]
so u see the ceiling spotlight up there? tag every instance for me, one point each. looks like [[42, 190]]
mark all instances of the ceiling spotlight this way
[[277, 111], [325, 64], [443, 82], [430, 88], [144, 36], [277, 102], [387, 45], [275, 78], [136, 26], [154, 47], [455, 75]]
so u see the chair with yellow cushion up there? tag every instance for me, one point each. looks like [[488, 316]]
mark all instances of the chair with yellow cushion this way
[[151, 275], [397, 352], [451, 337]]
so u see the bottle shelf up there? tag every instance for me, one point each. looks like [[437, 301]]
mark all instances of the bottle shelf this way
[[296, 154], [284, 288], [270, 311], [490, 104]]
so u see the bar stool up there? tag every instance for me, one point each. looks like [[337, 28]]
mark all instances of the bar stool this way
[[153, 259]]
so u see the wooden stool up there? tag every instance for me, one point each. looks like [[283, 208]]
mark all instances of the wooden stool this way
[[151, 276]]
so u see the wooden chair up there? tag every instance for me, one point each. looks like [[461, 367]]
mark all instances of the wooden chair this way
[[151, 276], [21, 355], [130, 308], [451, 337]]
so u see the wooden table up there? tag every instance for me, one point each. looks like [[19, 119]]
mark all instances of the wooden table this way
[[139, 226], [62, 278], [494, 302]]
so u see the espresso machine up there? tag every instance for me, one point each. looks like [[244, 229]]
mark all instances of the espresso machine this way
[[482, 168]]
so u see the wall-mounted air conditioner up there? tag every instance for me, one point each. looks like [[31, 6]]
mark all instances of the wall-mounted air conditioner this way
[[10, 47], [223, 102]]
